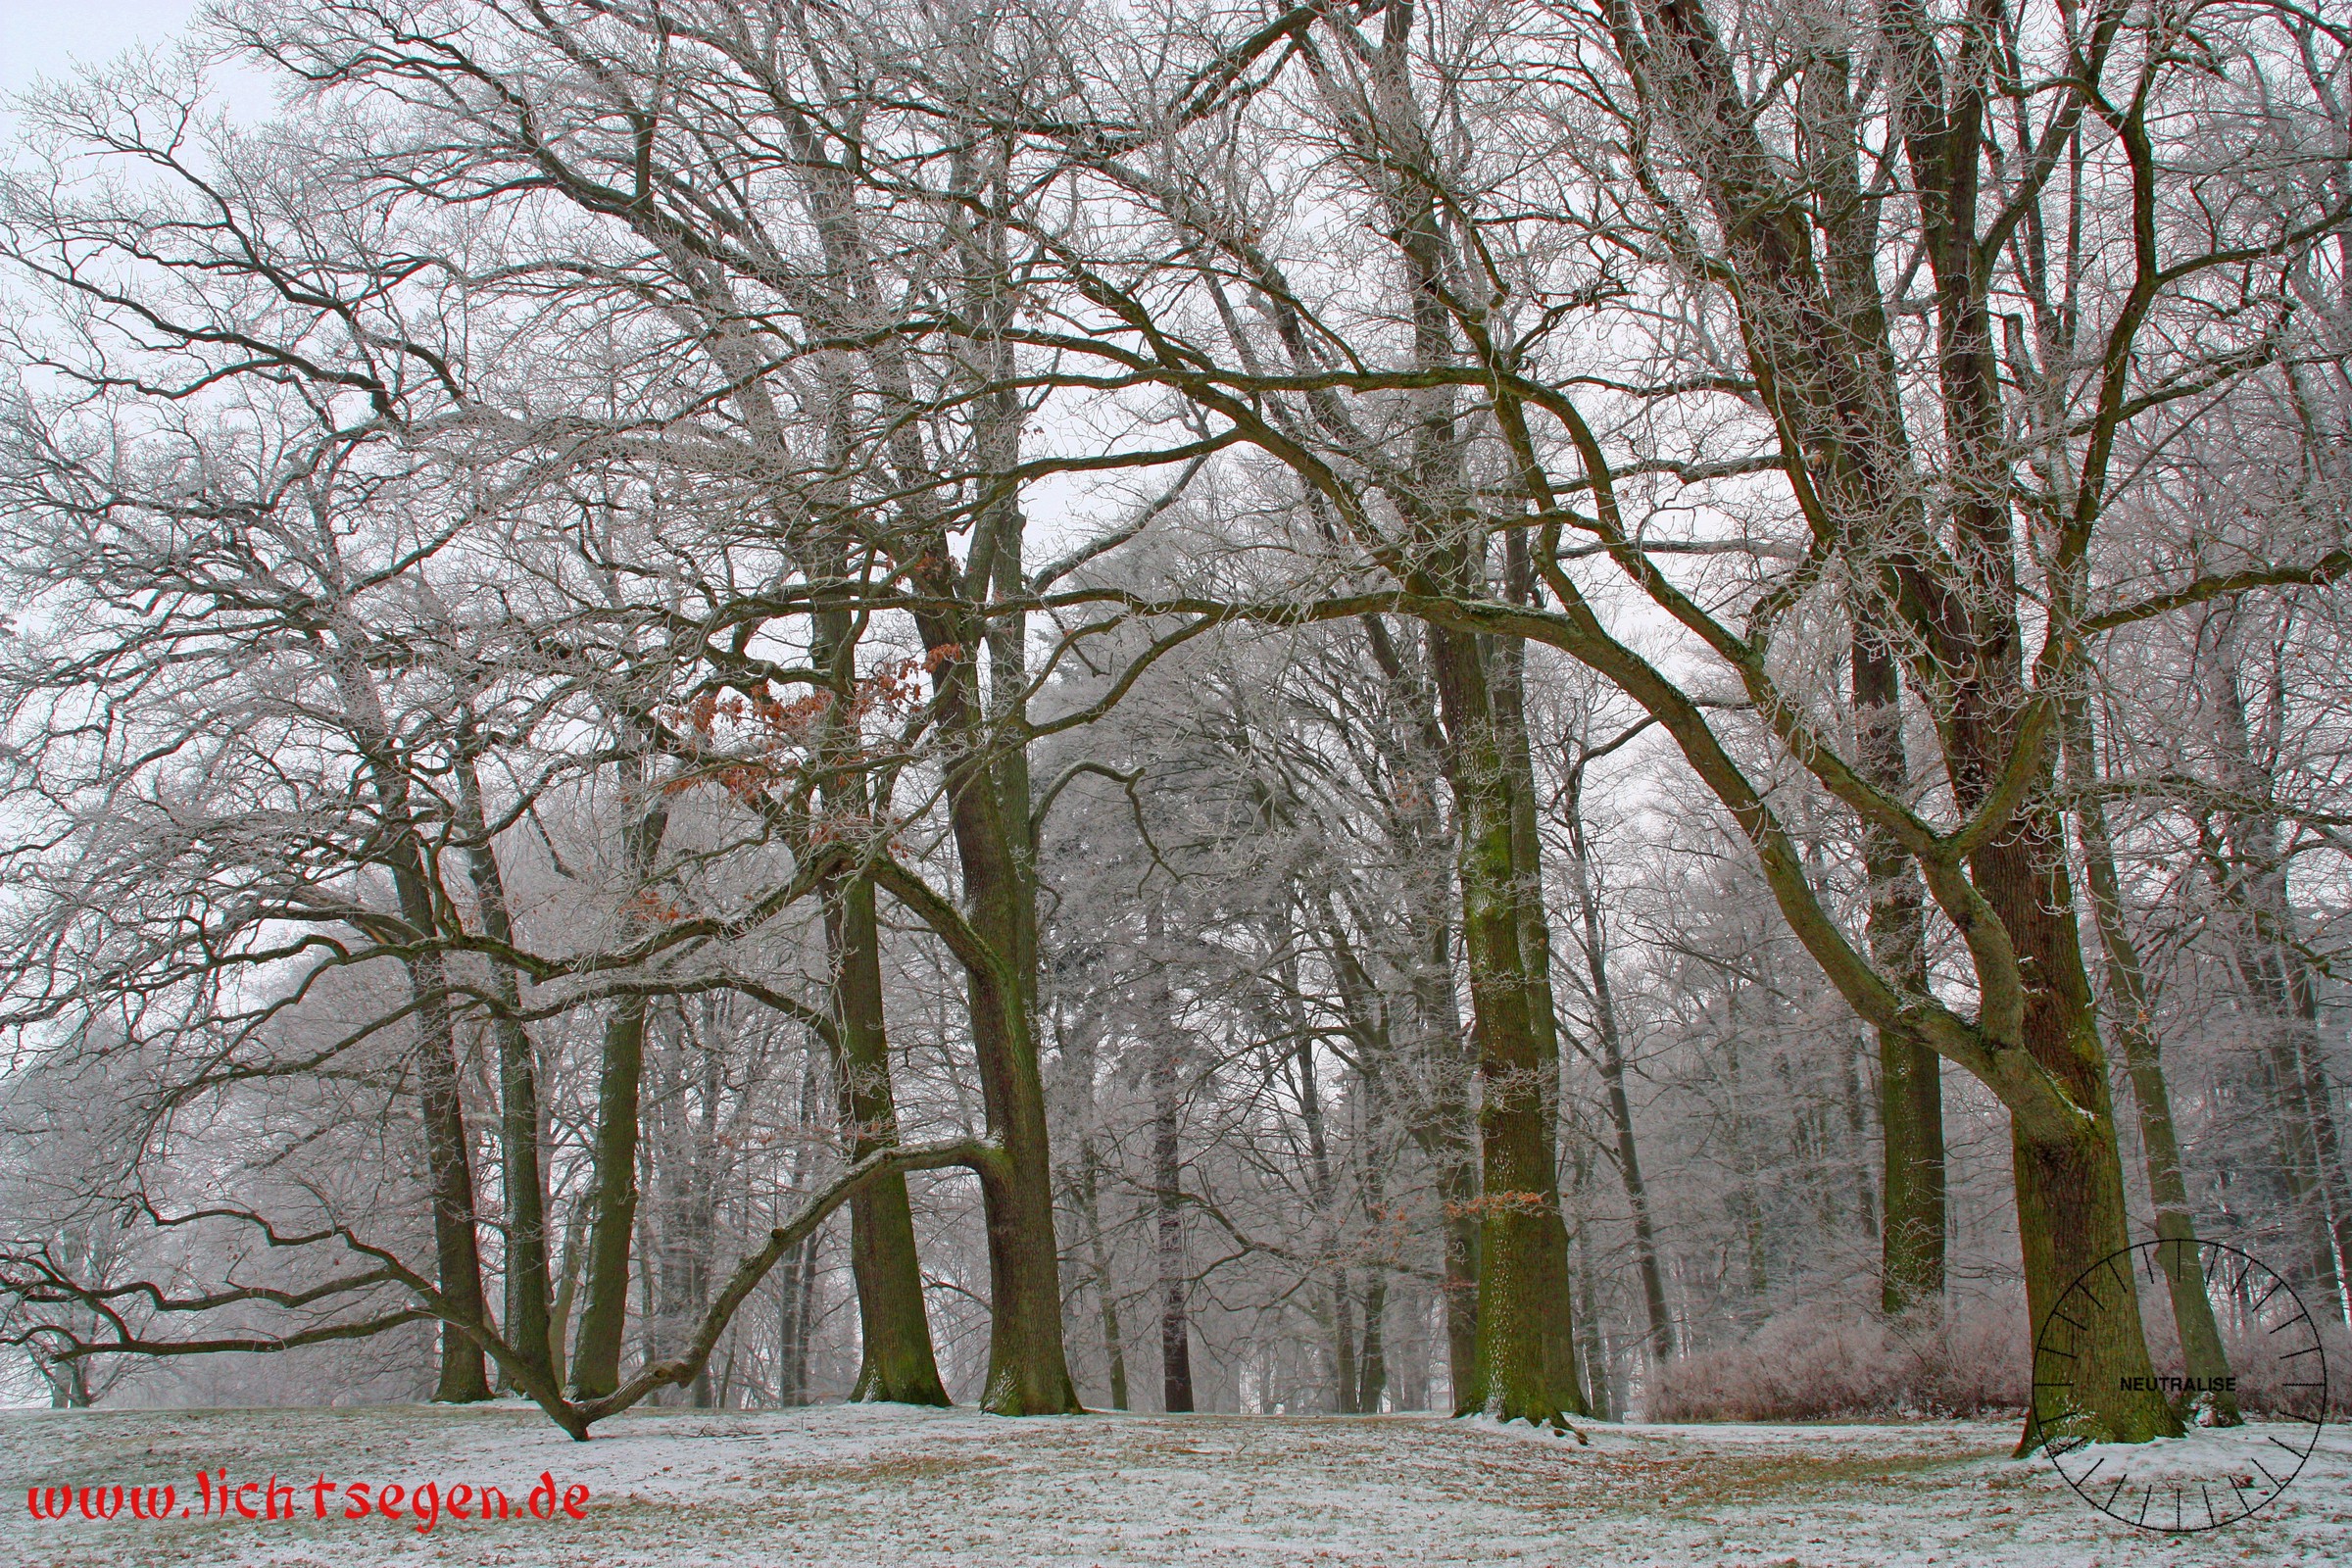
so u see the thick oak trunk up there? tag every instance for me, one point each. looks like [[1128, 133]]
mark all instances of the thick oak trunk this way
[[2071, 1211], [1526, 1355]]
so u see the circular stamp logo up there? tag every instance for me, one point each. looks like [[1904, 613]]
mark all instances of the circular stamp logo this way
[[2226, 1468]]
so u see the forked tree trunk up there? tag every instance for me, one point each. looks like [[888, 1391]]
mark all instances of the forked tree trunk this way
[[527, 1315]]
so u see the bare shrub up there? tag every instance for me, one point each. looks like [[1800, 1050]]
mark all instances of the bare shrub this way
[[2274, 1380], [1836, 1363]]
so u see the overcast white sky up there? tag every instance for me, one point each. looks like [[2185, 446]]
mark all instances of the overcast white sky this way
[[38, 37]]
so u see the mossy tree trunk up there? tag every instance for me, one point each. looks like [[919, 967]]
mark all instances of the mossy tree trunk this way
[[1911, 1187], [1526, 1360], [897, 1362], [620, 1076]]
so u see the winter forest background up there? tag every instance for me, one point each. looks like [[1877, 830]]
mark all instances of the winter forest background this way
[[1364, 705]]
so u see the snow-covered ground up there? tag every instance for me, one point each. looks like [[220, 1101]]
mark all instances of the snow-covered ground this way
[[887, 1486]]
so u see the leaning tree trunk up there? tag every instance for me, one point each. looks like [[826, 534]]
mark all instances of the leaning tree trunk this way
[[448, 1168], [2202, 1355]]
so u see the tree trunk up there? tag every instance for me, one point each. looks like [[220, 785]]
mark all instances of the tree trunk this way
[[463, 1378], [1372, 1363], [1371, 1161], [1584, 882], [1442, 1123], [897, 1360], [448, 1163], [1114, 1346], [1028, 1375], [1167, 1173], [528, 1320], [2071, 1211], [1592, 1355], [1322, 1192], [1911, 1185], [2250, 873], [1526, 1363], [2201, 1352], [1508, 662], [621, 1071], [559, 1320], [1078, 1057], [994, 942]]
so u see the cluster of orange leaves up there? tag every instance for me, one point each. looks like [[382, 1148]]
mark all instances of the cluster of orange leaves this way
[[770, 732], [651, 905]]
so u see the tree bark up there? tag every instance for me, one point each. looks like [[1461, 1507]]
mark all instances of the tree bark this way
[[528, 1321], [1167, 1177], [1911, 1183], [1526, 1363], [2202, 1355], [621, 1071], [897, 1361]]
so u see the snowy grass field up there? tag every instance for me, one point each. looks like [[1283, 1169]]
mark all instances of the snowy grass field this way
[[868, 1485]]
